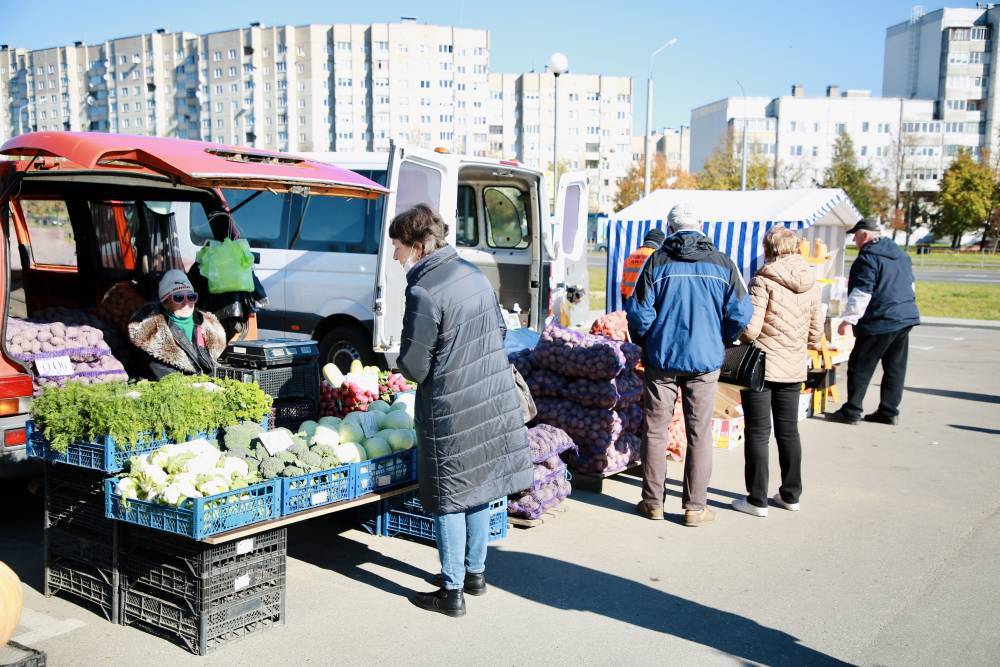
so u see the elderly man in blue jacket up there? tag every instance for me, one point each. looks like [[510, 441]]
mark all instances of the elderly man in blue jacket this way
[[689, 302]]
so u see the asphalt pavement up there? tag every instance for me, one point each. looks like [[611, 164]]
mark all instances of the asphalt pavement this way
[[893, 560]]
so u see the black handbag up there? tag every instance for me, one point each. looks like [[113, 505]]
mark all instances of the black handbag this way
[[743, 366]]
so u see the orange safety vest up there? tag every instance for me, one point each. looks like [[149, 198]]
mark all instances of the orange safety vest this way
[[633, 267]]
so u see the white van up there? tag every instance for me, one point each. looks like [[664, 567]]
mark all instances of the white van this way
[[326, 263]]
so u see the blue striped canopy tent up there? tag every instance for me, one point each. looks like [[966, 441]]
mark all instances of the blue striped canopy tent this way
[[736, 222]]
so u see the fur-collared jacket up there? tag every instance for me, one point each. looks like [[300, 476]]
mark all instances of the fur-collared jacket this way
[[165, 349]]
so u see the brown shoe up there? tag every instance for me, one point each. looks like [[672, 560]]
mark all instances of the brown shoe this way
[[652, 513], [696, 518]]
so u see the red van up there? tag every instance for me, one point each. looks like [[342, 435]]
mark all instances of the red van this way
[[83, 211]]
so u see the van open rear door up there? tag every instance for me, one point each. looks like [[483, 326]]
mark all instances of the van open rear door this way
[[570, 231], [415, 176]]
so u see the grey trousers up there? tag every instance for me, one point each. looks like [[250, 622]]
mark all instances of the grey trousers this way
[[698, 399]]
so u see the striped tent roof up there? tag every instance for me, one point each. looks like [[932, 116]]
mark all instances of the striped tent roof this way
[[735, 221]]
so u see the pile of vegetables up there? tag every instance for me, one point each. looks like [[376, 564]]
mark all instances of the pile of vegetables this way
[[178, 407], [77, 317], [624, 389], [342, 394], [118, 305], [549, 487], [577, 354], [611, 325], [328, 443], [617, 456], [176, 473]]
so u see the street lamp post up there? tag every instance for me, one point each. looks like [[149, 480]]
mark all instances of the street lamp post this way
[[648, 176], [743, 169], [558, 65]]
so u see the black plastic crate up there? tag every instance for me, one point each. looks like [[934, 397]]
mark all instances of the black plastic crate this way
[[74, 501], [198, 558], [291, 412], [257, 609], [62, 544], [300, 381], [16, 655], [86, 583]]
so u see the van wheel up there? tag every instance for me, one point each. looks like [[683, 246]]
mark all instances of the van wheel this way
[[344, 344]]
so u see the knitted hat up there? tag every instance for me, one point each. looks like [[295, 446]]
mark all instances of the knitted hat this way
[[174, 282], [683, 217], [655, 236]]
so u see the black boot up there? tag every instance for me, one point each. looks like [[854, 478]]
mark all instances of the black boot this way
[[449, 603], [475, 584], [881, 418]]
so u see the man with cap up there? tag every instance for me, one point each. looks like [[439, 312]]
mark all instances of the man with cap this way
[[882, 308], [172, 335], [635, 261], [689, 302]]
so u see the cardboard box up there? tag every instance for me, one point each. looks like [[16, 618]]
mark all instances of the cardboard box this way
[[727, 433], [728, 402], [805, 405]]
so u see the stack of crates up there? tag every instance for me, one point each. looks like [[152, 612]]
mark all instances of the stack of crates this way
[[404, 516], [286, 369], [80, 545], [198, 595]]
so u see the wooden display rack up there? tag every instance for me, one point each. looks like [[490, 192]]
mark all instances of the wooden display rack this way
[[552, 512]]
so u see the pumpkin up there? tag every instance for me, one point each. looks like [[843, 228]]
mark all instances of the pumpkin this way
[[11, 601]]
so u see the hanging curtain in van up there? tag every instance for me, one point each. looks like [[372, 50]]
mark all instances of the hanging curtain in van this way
[[163, 248], [116, 227]]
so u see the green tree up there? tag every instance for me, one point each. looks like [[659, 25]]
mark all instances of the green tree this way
[[722, 170], [965, 197], [630, 186], [845, 173]]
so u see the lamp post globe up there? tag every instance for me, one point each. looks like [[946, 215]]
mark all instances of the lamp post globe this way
[[558, 63]]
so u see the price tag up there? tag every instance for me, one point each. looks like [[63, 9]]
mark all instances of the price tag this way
[[369, 424], [241, 582], [244, 546], [275, 441], [54, 367], [320, 497]]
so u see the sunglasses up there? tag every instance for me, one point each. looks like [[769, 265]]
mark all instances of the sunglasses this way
[[180, 299]]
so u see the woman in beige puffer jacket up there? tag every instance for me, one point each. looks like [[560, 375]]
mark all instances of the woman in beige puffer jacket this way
[[787, 319]]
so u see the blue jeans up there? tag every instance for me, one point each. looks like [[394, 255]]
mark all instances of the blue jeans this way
[[461, 541]]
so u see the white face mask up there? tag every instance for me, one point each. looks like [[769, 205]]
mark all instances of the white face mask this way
[[409, 262]]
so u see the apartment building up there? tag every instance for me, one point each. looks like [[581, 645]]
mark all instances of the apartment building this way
[[323, 87], [900, 140]]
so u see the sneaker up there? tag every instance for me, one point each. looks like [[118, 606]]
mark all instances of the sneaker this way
[[695, 518], [743, 505], [841, 417], [780, 502], [652, 513], [881, 418]]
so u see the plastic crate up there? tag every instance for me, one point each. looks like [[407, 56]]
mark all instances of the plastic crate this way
[[64, 544], [97, 586], [316, 489], [74, 501], [103, 455], [255, 610], [199, 517], [16, 655], [408, 518], [198, 558], [301, 381], [291, 412], [170, 579], [385, 472]]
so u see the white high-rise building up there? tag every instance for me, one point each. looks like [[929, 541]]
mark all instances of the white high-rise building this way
[[323, 88], [900, 140]]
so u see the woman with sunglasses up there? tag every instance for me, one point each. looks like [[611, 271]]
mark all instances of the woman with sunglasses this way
[[172, 336]]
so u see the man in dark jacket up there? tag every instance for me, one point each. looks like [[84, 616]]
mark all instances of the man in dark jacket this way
[[882, 308], [472, 444], [635, 261], [689, 302]]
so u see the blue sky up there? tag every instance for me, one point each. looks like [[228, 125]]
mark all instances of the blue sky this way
[[766, 44]]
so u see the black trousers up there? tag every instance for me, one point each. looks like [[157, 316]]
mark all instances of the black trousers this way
[[780, 399], [889, 348]]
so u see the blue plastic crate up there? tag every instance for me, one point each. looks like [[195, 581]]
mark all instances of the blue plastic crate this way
[[198, 518], [409, 519], [385, 472], [104, 455], [316, 489]]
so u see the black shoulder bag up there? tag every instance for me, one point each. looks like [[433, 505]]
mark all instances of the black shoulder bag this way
[[743, 366]]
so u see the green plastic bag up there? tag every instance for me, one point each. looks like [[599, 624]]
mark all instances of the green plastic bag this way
[[227, 266]]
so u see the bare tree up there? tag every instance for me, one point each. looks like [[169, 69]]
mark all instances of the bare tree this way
[[788, 175]]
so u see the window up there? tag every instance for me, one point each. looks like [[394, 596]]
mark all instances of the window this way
[[815, 151], [425, 84], [980, 33], [445, 48], [280, 67], [841, 129], [467, 218], [960, 34], [232, 71], [506, 217], [263, 221], [792, 126], [343, 46], [795, 150], [57, 249]]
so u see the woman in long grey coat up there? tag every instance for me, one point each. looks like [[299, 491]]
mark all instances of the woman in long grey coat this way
[[473, 446]]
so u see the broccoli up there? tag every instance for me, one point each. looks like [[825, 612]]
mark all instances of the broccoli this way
[[324, 450], [311, 459], [239, 451], [292, 471], [241, 435], [329, 462], [298, 448], [271, 467], [286, 456]]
